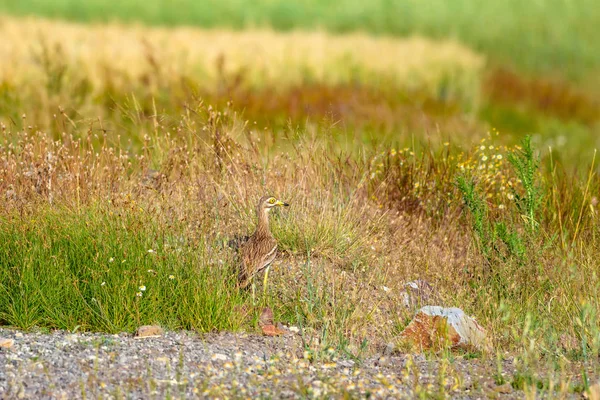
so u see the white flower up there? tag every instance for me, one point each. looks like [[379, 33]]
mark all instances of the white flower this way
[[499, 156], [151, 251], [171, 277], [484, 158], [386, 289], [142, 288], [139, 294], [482, 148], [510, 196], [103, 284], [111, 260]]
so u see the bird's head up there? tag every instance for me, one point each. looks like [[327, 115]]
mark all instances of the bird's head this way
[[266, 203]]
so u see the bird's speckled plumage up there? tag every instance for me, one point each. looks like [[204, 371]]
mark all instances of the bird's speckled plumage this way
[[259, 250]]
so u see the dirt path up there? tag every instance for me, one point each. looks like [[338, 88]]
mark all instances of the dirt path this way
[[184, 365]]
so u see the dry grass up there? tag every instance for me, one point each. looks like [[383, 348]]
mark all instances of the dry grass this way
[[358, 221]]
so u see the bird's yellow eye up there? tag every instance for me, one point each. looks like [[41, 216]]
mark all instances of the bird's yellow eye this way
[[272, 200]]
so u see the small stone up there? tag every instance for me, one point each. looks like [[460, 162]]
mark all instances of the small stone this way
[[6, 343], [19, 335], [346, 363], [146, 331], [271, 330], [294, 329], [219, 357]]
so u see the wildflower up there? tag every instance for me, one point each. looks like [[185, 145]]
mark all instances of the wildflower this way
[[171, 277], [501, 206], [150, 271], [499, 157], [103, 284], [484, 158], [142, 288], [151, 251], [139, 294], [510, 196], [111, 260], [482, 148]]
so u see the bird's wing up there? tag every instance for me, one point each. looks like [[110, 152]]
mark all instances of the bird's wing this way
[[267, 259]]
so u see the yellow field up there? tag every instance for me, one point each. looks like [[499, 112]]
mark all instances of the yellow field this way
[[93, 51]]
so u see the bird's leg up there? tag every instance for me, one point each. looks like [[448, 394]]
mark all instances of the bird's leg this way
[[265, 281]]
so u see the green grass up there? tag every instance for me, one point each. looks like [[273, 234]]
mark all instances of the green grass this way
[[549, 36], [84, 270]]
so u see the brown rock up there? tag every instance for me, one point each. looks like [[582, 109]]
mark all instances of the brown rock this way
[[6, 343], [427, 332], [437, 328], [147, 331], [271, 330]]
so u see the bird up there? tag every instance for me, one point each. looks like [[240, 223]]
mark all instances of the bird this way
[[257, 251]]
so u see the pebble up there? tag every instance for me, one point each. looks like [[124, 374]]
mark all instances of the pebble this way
[[97, 365], [220, 357], [149, 331]]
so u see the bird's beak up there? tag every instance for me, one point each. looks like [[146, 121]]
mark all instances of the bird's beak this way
[[281, 203]]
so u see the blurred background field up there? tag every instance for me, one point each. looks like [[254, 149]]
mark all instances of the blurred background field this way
[[134, 126], [548, 36], [381, 85]]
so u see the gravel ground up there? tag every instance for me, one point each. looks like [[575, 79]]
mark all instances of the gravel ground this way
[[187, 365]]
